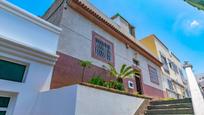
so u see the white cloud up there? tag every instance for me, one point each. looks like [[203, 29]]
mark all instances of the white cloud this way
[[194, 23]]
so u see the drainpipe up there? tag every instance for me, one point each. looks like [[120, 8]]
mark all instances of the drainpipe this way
[[196, 95]]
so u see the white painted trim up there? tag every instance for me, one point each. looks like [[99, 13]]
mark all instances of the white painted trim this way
[[28, 16], [3, 109], [12, 102], [6, 45]]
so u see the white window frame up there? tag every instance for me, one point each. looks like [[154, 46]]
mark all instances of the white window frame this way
[[12, 96], [17, 62]]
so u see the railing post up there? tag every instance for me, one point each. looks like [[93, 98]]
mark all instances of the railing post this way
[[196, 95]]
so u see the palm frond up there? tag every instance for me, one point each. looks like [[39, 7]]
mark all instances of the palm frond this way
[[112, 70], [123, 68]]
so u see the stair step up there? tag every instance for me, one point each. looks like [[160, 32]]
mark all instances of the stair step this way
[[187, 100], [166, 114], [169, 111], [170, 106]]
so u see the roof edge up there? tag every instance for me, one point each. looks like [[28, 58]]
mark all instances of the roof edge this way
[[82, 8], [28, 16]]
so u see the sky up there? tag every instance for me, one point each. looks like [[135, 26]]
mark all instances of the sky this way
[[176, 23]]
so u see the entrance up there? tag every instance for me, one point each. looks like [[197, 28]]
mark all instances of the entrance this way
[[138, 84]]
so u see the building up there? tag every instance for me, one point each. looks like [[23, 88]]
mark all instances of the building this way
[[28, 47], [200, 79], [172, 69], [90, 35]]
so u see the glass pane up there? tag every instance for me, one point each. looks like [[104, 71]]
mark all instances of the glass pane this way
[[2, 112], [11, 71], [4, 101]]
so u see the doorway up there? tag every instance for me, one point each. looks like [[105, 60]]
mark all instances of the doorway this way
[[138, 84]]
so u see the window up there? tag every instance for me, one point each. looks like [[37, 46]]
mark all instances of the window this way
[[170, 84], [102, 49], [181, 73], [173, 66], [153, 75], [165, 64], [11, 71], [4, 102], [136, 62]]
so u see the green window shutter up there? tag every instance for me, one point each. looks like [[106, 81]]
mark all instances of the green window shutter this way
[[4, 102], [2, 112], [11, 71]]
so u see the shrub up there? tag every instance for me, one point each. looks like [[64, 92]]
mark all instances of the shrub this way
[[97, 80]]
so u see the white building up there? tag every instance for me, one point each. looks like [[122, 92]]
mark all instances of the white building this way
[[84, 26], [28, 47]]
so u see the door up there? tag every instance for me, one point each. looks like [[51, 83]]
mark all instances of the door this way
[[138, 84]]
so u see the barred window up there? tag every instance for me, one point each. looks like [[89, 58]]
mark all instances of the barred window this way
[[153, 75], [102, 49]]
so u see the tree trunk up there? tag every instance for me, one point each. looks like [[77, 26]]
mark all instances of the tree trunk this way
[[83, 73], [119, 80]]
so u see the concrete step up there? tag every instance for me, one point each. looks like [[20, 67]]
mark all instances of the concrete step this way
[[187, 100], [169, 111], [170, 106]]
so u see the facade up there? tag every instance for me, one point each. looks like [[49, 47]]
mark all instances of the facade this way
[[90, 35], [172, 70], [28, 47], [200, 79]]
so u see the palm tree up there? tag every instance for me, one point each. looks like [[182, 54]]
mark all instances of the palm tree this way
[[125, 71], [196, 3], [84, 64]]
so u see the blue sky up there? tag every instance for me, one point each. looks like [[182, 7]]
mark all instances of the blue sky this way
[[178, 25]]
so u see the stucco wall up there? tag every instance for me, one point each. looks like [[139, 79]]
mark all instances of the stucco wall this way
[[26, 32], [75, 40], [28, 40], [82, 100], [176, 76], [36, 76]]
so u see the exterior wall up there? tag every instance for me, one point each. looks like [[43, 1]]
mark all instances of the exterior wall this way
[[152, 43], [29, 40], [122, 24], [80, 100], [26, 93], [76, 41], [172, 75], [24, 31]]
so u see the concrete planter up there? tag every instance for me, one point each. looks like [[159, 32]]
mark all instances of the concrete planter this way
[[85, 100]]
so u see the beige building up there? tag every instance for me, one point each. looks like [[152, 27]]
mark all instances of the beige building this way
[[172, 71]]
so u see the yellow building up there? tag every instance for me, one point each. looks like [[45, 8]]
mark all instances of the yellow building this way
[[171, 69]]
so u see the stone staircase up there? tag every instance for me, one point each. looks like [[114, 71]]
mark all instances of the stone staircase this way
[[171, 107]]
